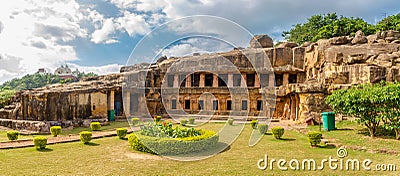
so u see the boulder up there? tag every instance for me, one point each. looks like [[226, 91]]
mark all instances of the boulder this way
[[359, 38], [338, 40], [261, 41], [287, 45]]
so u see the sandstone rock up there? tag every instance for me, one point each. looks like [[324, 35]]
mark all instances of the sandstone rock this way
[[338, 40], [392, 33], [287, 44], [261, 41], [359, 38], [390, 39], [372, 38], [305, 44], [396, 41]]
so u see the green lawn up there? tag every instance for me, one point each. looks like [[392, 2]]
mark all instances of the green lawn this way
[[114, 157], [112, 126], [351, 133]]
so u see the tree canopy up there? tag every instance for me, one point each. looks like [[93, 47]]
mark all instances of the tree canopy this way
[[331, 25], [371, 104]]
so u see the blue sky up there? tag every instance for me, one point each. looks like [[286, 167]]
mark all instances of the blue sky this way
[[98, 36]]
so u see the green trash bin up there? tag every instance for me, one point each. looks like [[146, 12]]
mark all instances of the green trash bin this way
[[111, 115], [328, 119]]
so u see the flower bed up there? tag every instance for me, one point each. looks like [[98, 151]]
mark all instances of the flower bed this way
[[163, 139]]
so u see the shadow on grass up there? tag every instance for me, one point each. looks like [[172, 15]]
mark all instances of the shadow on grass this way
[[287, 139], [45, 150], [327, 146], [380, 133], [125, 138], [343, 129], [92, 144]]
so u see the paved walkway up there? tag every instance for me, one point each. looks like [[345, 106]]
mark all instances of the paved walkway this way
[[287, 124], [57, 140]]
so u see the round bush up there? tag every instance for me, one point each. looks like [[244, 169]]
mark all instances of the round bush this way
[[55, 130], [230, 121], [12, 135], [135, 121], [191, 120], [278, 132], [173, 146], [262, 128], [254, 124], [95, 126], [183, 122], [121, 132], [40, 142], [314, 137], [85, 136]]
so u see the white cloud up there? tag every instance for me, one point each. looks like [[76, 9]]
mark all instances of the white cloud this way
[[196, 45], [103, 35], [124, 4], [100, 70], [35, 35], [133, 24]]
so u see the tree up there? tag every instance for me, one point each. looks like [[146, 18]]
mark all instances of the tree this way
[[389, 23], [390, 99], [360, 102], [5, 96], [326, 26]]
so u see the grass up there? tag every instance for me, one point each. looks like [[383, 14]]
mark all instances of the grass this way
[[351, 133], [112, 126], [114, 157]]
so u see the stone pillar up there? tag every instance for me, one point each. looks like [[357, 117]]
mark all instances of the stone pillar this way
[[230, 80], [243, 81], [202, 79], [256, 81], [271, 80], [127, 103], [215, 80], [285, 79], [110, 100], [189, 81], [176, 81]]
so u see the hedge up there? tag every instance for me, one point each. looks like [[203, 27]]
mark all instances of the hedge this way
[[121, 132], [314, 137], [230, 121], [95, 126], [135, 121], [262, 128], [254, 124], [55, 130], [85, 136], [12, 135], [40, 142], [278, 132], [173, 146], [191, 120]]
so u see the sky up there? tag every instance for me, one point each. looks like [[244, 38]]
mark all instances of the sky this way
[[100, 35]]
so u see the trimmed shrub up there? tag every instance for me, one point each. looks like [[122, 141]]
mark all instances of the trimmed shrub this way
[[278, 132], [55, 130], [40, 142], [262, 128], [121, 132], [230, 121], [254, 124], [85, 136], [314, 137], [12, 135], [157, 119], [173, 146], [191, 120], [95, 126], [183, 122], [135, 121]]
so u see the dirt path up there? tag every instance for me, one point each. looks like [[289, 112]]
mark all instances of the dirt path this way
[[56, 140]]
